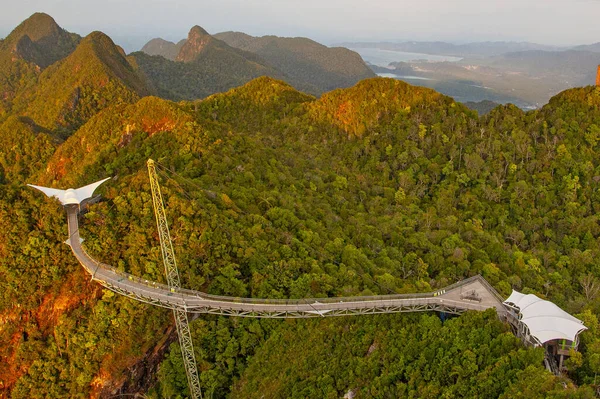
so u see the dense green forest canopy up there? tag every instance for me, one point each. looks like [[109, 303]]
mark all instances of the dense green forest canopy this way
[[376, 189], [381, 188]]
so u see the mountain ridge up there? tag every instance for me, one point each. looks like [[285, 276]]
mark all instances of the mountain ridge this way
[[474, 49], [307, 65], [32, 46], [594, 47], [203, 66], [311, 66], [87, 80]]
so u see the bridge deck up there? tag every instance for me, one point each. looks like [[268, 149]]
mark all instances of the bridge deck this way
[[474, 293]]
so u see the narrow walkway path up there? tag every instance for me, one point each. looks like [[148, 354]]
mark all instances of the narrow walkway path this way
[[474, 293]]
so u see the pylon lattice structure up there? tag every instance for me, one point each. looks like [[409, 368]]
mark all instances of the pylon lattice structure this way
[[181, 318]]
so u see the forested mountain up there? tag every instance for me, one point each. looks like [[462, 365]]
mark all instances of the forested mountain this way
[[85, 76], [375, 189], [33, 45], [203, 66], [40, 40], [216, 63], [68, 93], [310, 66]]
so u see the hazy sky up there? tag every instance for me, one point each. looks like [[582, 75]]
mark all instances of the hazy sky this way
[[132, 22]]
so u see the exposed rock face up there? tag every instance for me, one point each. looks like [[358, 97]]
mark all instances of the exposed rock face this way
[[143, 374], [598, 77], [197, 41]]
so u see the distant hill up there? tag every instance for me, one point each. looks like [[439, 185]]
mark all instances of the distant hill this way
[[310, 66], [31, 47], [238, 39], [56, 80], [164, 48], [94, 76], [572, 67], [223, 58], [588, 47], [478, 49], [482, 107], [203, 66], [204, 49], [40, 40]]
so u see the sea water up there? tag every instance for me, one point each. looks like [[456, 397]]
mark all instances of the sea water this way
[[383, 58]]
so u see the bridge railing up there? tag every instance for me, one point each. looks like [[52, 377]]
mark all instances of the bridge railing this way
[[299, 301], [276, 301], [483, 281], [270, 301]]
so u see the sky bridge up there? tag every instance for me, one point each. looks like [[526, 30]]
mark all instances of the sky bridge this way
[[474, 293]]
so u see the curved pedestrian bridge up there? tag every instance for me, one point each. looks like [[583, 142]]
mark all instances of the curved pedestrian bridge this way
[[474, 293]]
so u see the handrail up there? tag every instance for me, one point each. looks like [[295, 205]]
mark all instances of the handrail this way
[[278, 301], [182, 293]]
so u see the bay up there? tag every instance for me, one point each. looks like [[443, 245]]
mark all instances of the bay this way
[[383, 58]]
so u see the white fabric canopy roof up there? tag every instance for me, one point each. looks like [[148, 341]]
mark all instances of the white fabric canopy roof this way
[[545, 320], [71, 196]]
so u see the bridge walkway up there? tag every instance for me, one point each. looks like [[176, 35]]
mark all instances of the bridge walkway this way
[[474, 293]]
